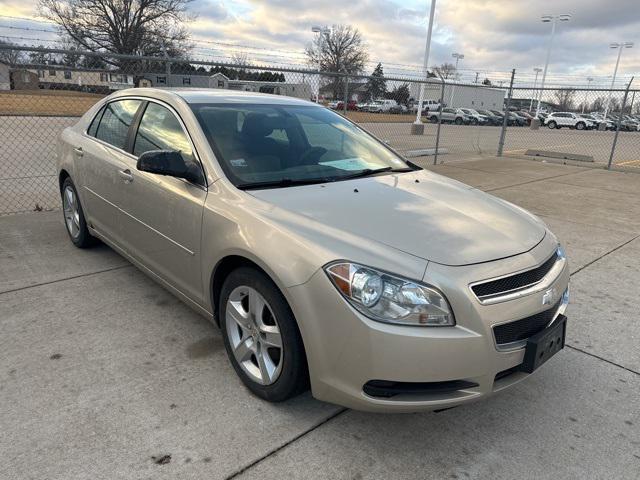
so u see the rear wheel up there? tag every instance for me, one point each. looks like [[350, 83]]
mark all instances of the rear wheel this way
[[580, 126], [434, 119], [474, 121], [459, 121], [261, 336], [552, 124], [74, 216]]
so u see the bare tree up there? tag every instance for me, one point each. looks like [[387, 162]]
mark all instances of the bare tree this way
[[343, 50], [598, 104], [240, 59], [446, 70], [564, 97], [132, 27], [10, 56]]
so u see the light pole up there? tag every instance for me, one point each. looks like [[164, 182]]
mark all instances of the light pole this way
[[619, 46], [535, 83], [425, 64], [323, 32], [553, 19], [589, 80], [458, 57]]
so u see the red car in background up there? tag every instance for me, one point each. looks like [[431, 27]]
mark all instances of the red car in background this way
[[351, 105]]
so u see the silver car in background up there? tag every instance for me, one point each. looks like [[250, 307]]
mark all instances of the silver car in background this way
[[326, 259]]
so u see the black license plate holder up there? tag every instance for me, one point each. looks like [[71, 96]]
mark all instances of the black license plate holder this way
[[544, 345]]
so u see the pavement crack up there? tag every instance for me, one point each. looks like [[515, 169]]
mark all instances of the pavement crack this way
[[605, 254], [88, 274], [286, 444], [532, 181], [602, 358]]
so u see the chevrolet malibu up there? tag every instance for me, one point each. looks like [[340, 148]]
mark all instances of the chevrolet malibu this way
[[326, 259]]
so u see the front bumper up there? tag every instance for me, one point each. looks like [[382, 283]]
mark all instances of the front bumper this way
[[346, 350]]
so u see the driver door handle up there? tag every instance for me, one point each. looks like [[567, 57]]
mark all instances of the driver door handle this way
[[126, 175], [78, 151]]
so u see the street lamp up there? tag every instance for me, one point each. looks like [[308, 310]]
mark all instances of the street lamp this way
[[589, 80], [619, 46], [425, 64], [324, 32], [535, 83], [553, 19], [458, 57]]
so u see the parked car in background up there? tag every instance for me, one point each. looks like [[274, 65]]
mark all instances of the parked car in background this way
[[326, 261], [630, 124], [333, 104], [351, 105], [568, 119], [476, 117], [379, 106], [398, 109], [528, 116], [427, 106], [598, 120], [451, 115], [512, 121], [520, 119], [492, 118]]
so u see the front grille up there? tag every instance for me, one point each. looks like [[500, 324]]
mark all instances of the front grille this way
[[514, 282], [525, 327]]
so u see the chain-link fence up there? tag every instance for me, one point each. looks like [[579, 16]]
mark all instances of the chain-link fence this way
[[42, 91]]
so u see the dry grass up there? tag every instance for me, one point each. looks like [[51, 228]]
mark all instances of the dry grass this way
[[46, 102]]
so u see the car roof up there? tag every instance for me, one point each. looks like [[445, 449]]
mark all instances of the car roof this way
[[216, 95]]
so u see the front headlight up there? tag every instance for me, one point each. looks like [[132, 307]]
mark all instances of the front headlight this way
[[389, 298]]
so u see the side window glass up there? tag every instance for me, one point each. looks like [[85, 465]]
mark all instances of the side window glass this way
[[93, 127], [115, 122], [160, 130]]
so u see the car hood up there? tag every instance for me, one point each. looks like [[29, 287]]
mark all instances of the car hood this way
[[420, 213]]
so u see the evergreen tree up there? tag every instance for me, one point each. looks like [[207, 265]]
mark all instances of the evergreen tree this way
[[376, 86]]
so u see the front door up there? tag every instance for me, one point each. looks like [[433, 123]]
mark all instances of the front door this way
[[101, 161], [162, 215]]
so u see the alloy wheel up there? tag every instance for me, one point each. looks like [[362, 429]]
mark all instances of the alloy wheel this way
[[71, 212], [254, 335]]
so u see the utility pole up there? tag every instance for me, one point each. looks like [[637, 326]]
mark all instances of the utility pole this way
[[425, 64], [619, 46]]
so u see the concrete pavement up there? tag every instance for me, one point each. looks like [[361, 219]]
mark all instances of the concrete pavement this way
[[103, 374]]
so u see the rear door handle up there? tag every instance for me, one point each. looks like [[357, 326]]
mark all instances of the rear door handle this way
[[78, 151], [126, 175]]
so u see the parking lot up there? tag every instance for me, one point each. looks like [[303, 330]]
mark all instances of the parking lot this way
[[105, 375]]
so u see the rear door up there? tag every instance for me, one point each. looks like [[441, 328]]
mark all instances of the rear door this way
[[102, 158], [163, 215]]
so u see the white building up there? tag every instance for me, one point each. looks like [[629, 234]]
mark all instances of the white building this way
[[465, 95]]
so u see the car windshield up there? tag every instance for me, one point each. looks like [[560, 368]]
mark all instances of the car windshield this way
[[284, 145]]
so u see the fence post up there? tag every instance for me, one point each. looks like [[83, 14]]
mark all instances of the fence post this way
[[505, 120], [435, 155], [615, 137], [346, 95]]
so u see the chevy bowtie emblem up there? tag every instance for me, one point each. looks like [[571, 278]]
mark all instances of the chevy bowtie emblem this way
[[549, 295]]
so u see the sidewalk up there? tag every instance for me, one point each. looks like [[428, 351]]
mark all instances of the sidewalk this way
[[101, 370]]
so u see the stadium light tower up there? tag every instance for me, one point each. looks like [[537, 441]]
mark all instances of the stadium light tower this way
[[535, 84], [458, 57], [324, 32], [553, 19], [620, 46], [589, 80]]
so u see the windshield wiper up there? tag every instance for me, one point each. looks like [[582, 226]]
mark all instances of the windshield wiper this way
[[372, 171], [281, 183]]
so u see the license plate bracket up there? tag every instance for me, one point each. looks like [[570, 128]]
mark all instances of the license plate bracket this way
[[544, 345]]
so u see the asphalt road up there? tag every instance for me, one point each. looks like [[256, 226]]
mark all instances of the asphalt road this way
[[105, 375], [27, 162]]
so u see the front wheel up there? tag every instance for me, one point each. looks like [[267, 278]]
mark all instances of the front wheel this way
[[580, 126], [434, 119], [261, 336], [552, 125], [74, 216], [458, 121]]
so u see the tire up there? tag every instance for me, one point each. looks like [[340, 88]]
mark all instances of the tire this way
[[74, 220], [251, 335], [552, 124], [434, 119], [474, 121], [580, 126], [459, 121]]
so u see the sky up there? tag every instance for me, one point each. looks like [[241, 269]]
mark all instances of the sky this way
[[494, 35]]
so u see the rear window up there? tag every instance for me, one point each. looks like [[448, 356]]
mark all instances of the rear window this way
[[115, 122]]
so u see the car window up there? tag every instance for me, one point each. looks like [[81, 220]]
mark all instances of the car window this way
[[115, 122], [93, 128], [160, 130], [276, 143]]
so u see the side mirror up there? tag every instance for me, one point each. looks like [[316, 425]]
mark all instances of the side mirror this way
[[170, 163]]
